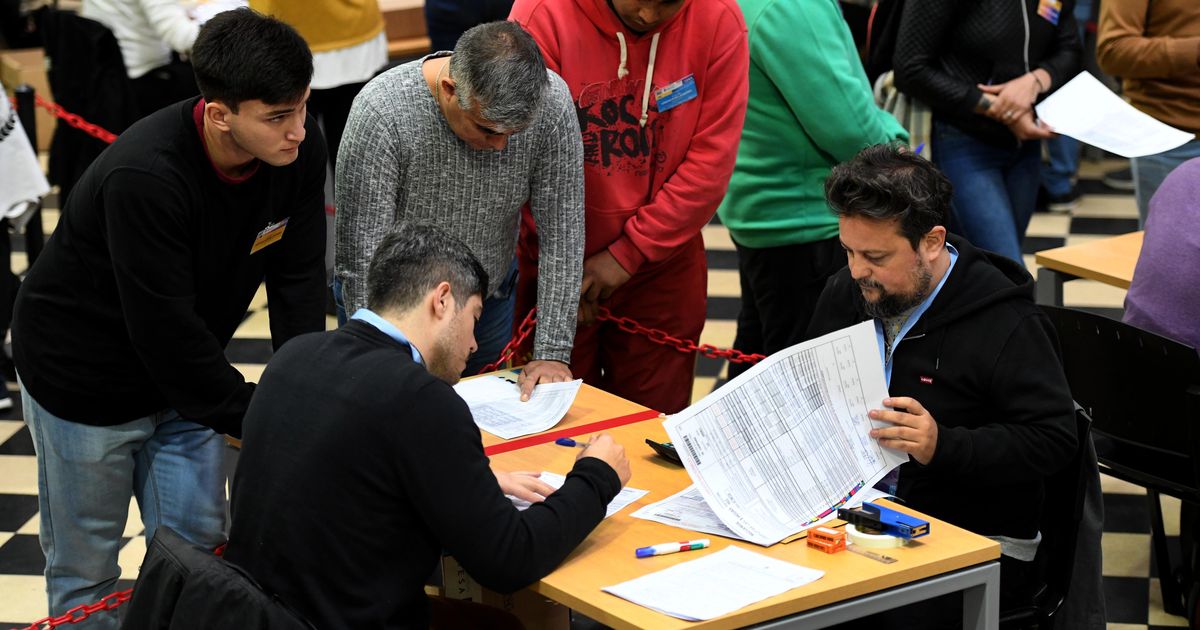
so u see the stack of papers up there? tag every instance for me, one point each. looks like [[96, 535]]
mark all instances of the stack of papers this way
[[688, 510], [496, 405], [623, 498], [714, 585]]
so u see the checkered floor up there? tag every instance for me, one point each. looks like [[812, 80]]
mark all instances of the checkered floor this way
[[1131, 582]]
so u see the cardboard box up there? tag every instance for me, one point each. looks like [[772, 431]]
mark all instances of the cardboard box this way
[[535, 611], [29, 66]]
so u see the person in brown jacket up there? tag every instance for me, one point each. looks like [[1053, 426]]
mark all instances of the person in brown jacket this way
[[1155, 47]]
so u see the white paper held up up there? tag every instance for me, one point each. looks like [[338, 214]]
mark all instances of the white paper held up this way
[[497, 408], [1088, 111], [714, 585], [779, 448]]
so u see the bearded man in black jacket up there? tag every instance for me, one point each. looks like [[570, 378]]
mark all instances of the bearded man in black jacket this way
[[978, 399]]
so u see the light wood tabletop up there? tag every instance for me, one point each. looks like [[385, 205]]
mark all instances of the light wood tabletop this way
[[1108, 260], [606, 557]]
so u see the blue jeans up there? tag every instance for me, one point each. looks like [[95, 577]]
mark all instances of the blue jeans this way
[[995, 189], [1064, 150], [492, 331], [85, 477], [1150, 171]]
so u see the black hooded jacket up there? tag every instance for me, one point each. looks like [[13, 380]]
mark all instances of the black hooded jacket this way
[[984, 361]]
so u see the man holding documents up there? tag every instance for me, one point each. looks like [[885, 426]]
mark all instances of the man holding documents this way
[[978, 396], [362, 423]]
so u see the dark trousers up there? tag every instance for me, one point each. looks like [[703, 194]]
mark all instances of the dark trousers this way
[[447, 20], [332, 106], [780, 287]]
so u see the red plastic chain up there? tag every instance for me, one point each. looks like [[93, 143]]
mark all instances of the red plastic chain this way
[[683, 345], [82, 611], [523, 332], [630, 326], [74, 120]]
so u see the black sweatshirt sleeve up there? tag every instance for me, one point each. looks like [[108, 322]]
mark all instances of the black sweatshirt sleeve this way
[[1036, 435], [153, 268], [1063, 61], [448, 478], [295, 267], [924, 28]]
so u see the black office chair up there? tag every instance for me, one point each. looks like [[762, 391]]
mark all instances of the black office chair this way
[[1062, 512], [1142, 391]]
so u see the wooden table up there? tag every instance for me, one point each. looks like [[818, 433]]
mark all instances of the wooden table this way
[[1109, 260], [949, 559], [404, 23]]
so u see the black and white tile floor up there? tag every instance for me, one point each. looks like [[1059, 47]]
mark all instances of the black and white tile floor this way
[[1131, 581]]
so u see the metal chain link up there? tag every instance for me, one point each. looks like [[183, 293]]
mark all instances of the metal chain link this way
[[82, 611]]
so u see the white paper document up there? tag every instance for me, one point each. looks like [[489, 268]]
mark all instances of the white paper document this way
[[1088, 111], [687, 509], [623, 498], [714, 585], [779, 448], [496, 405]]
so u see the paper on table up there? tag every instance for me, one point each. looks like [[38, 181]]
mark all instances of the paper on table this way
[[779, 448], [714, 585], [497, 408], [1088, 111], [687, 509], [623, 498]]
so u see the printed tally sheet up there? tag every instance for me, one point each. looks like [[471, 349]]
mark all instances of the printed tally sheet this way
[[778, 449], [497, 408]]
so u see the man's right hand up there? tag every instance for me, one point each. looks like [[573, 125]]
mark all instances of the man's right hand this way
[[604, 448]]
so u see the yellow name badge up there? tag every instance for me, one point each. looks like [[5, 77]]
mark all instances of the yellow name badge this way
[[270, 234]]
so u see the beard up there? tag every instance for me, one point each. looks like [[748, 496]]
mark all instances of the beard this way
[[442, 361], [889, 304]]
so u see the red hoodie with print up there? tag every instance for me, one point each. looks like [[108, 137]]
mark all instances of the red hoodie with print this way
[[653, 178]]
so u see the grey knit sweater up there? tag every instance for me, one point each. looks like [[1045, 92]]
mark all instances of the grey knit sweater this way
[[399, 160]]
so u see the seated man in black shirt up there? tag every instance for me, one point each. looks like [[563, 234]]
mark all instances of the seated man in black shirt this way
[[120, 327], [360, 463], [978, 399]]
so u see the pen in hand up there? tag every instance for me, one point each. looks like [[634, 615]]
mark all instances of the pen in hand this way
[[569, 442]]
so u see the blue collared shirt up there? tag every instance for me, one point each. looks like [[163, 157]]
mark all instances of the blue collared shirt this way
[[371, 317], [911, 321]]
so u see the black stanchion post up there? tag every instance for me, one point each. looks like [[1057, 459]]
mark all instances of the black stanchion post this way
[[35, 239]]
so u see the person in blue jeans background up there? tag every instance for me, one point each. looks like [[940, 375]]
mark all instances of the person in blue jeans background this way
[[1060, 171], [120, 327], [980, 67]]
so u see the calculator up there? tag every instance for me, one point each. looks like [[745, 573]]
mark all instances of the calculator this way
[[666, 450]]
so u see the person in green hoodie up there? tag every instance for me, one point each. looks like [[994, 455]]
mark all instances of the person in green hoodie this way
[[810, 108]]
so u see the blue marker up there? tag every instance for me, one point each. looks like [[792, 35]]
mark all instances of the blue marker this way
[[920, 147], [570, 442]]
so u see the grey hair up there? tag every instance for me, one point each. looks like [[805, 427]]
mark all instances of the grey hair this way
[[499, 66], [414, 258]]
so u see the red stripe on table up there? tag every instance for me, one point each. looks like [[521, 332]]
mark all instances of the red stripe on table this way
[[594, 427]]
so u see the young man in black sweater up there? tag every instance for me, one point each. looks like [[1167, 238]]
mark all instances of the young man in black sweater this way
[[360, 463], [978, 399], [120, 327]]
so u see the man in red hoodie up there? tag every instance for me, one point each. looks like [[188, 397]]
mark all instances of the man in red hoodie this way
[[660, 87]]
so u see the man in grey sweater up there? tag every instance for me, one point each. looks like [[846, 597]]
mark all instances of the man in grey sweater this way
[[464, 140]]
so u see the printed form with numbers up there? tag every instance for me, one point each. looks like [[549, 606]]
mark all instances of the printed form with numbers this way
[[780, 448]]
